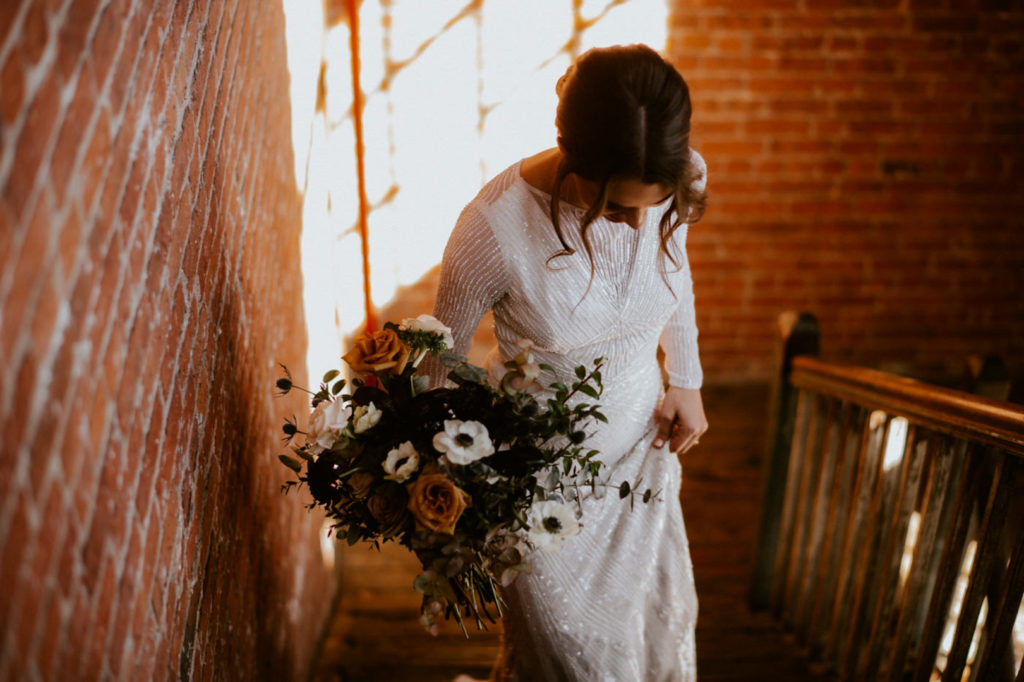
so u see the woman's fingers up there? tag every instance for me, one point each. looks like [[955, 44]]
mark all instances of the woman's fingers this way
[[685, 438], [664, 431], [681, 420], [680, 438]]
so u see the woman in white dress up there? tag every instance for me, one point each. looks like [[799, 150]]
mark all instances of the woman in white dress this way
[[581, 249]]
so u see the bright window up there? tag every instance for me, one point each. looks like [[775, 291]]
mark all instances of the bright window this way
[[454, 93]]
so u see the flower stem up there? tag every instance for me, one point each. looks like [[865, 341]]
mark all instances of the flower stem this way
[[583, 381]]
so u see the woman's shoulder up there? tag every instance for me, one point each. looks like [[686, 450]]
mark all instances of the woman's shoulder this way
[[484, 215], [497, 188]]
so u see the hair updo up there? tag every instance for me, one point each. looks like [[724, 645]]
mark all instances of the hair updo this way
[[624, 112]]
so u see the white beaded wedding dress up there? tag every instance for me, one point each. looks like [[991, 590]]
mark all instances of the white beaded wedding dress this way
[[617, 602]]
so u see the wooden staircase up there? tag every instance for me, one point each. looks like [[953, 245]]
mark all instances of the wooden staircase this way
[[855, 528], [376, 636]]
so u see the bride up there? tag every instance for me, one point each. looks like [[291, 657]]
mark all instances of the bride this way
[[581, 249]]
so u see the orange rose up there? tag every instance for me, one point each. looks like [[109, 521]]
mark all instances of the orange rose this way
[[379, 352], [436, 503]]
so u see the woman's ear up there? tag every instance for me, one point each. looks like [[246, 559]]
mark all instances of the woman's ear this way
[[560, 83]]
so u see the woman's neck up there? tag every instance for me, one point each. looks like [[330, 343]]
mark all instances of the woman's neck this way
[[541, 171]]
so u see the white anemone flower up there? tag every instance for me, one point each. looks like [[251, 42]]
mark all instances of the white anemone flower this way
[[551, 524], [327, 423], [401, 463], [365, 417], [429, 323], [463, 442]]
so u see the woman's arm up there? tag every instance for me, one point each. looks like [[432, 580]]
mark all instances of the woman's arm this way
[[473, 278], [680, 416], [681, 420]]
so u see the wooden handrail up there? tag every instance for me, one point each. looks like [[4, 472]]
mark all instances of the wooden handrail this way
[[836, 527], [992, 422]]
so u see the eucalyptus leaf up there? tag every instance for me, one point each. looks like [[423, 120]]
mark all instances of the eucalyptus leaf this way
[[330, 376], [467, 372], [445, 588], [624, 490], [454, 566], [292, 463], [353, 536], [420, 384], [424, 581], [450, 359]]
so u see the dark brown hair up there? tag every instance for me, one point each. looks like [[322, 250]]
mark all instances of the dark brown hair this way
[[624, 112]]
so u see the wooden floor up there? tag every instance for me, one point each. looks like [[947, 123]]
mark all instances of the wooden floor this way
[[376, 636]]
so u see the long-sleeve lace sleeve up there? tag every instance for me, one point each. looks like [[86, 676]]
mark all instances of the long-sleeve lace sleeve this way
[[679, 339], [473, 278]]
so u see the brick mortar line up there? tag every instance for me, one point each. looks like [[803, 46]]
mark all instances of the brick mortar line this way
[[75, 372], [9, 139], [21, 348], [44, 370], [14, 32], [35, 76], [110, 411]]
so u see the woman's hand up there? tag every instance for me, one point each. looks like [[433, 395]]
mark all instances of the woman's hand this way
[[681, 419]]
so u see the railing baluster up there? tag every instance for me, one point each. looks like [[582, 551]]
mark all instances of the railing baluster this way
[[796, 458], [823, 414], [798, 334], [998, 640], [836, 542], [914, 456], [989, 538], [949, 570], [821, 514], [873, 525], [870, 460], [947, 468], [824, 607]]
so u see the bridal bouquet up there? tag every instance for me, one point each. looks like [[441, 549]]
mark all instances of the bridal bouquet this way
[[470, 478]]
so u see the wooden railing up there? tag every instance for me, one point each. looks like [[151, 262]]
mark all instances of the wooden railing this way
[[892, 536]]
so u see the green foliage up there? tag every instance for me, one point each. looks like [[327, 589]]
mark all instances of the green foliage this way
[[540, 451]]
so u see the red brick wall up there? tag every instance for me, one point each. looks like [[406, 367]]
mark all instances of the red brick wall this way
[[866, 162], [149, 235]]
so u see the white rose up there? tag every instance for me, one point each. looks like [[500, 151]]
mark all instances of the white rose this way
[[463, 442], [429, 323], [327, 423], [365, 417], [551, 523], [401, 463]]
